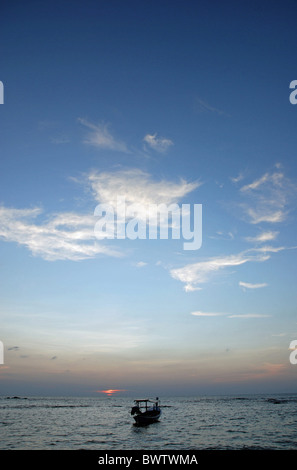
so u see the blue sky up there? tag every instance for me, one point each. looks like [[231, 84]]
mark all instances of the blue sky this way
[[158, 102]]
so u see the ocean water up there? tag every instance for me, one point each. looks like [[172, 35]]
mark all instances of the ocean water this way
[[187, 423]]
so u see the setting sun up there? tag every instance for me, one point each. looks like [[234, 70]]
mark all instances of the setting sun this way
[[110, 392]]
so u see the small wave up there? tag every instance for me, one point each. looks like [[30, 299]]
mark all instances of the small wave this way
[[16, 398], [64, 406], [279, 401], [33, 405], [95, 441], [242, 398]]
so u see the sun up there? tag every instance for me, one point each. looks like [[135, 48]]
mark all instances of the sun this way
[[110, 392]]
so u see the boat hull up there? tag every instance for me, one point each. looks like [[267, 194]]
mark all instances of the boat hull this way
[[147, 417]]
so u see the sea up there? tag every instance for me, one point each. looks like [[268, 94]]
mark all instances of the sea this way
[[241, 422]]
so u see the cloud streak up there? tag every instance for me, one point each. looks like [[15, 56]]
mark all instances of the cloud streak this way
[[263, 237], [203, 106], [100, 137], [206, 314], [65, 236], [248, 285], [249, 315], [226, 315], [70, 235], [267, 198], [196, 274]]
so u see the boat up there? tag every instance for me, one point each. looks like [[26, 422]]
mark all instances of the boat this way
[[146, 411]]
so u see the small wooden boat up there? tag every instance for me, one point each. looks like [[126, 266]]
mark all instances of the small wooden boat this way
[[143, 413]]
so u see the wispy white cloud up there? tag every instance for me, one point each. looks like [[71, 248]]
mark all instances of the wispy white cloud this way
[[203, 106], [64, 236], [140, 264], [196, 274], [227, 315], [250, 315], [264, 215], [70, 235], [266, 178], [138, 188], [272, 249], [160, 144], [248, 285], [239, 177], [219, 235], [100, 137], [263, 237], [267, 198], [206, 314]]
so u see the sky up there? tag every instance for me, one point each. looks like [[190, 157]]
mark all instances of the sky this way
[[151, 102]]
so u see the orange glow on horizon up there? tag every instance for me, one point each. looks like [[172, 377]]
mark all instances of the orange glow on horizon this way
[[110, 392]]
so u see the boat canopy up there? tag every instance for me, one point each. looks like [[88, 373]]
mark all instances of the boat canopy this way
[[146, 400]]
